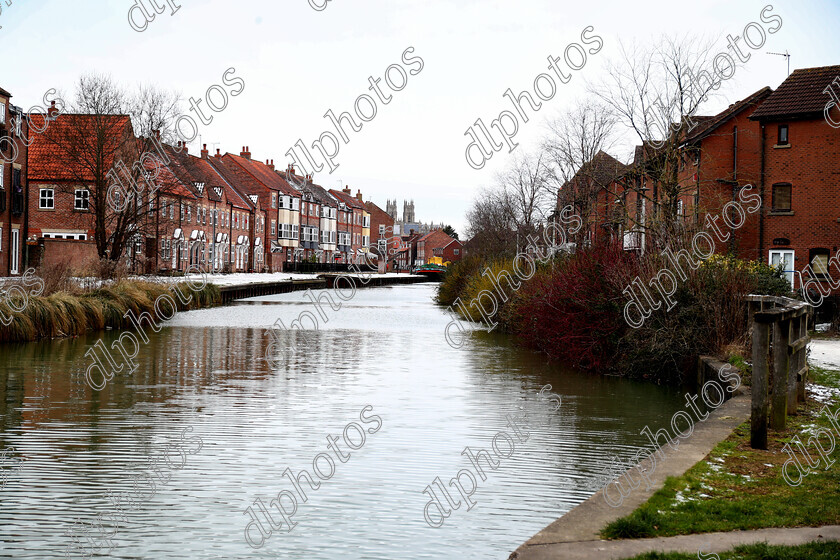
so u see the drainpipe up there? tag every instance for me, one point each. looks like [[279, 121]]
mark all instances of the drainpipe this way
[[761, 193]]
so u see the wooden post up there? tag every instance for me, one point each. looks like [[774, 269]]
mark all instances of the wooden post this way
[[802, 362], [781, 339], [759, 404], [792, 369]]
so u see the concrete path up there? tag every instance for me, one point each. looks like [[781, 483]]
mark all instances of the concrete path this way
[[584, 522], [689, 544]]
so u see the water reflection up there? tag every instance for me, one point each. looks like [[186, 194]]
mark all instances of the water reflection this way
[[384, 348]]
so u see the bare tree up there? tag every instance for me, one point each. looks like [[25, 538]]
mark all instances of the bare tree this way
[[490, 224], [95, 145], [656, 92], [525, 189], [580, 168]]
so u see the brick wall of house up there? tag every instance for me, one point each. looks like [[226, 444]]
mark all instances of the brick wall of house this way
[[81, 255], [812, 166]]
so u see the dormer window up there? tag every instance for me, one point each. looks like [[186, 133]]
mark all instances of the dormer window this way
[[199, 187], [783, 135]]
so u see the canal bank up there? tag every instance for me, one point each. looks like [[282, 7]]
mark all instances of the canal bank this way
[[581, 527], [64, 314], [383, 348]]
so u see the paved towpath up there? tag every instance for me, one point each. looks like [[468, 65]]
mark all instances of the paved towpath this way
[[584, 522], [689, 544]]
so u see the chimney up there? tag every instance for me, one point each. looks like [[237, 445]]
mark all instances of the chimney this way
[[52, 111], [347, 190], [270, 165], [359, 194], [186, 150], [204, 153], [246, 152], [218, 153], [291, 169]]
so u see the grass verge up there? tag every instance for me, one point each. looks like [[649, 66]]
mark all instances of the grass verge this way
[[739, 488], [810, 551]]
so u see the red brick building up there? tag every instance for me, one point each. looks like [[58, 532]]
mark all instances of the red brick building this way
[[384, 242], [800, 152], [14, 130], [67, 165]]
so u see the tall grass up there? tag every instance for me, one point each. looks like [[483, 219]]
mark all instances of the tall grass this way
[[65, 314]]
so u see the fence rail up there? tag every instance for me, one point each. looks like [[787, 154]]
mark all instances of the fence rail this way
[[786, 320]]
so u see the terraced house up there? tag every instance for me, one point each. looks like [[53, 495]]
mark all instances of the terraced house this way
[[779, 147], [13, 204], [91, 188]]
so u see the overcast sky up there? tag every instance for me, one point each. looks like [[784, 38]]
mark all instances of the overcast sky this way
[[297, 63]]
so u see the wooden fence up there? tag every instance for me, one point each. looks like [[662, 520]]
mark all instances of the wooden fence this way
[[786, 320]]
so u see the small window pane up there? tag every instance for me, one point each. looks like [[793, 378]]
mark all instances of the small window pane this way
[[782, 197]]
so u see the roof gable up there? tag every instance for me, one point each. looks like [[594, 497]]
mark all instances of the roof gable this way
[[800, 95]]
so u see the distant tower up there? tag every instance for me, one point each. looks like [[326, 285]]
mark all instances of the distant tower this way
[[408, 212], [391, 209]]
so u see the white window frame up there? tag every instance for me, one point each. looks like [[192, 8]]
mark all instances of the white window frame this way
[[790, 264], [42, 198], [84, 199], [2, 112]]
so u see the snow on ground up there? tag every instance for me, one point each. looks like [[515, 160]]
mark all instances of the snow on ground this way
[[243, 279], [825, 353]]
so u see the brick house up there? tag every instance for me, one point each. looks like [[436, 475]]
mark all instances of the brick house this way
[[451, 252], [244, 216], [384, 241], [800, 154], [319, 217], [720, 156], [432, 245], [281, 204], [14, 129], [359, 226], [64, 165]]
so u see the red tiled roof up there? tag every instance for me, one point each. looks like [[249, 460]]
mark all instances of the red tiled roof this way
[[190, 171], [240, 182], [63, 152], [706, 125], [436, 238], [264, 174], [800, 95], [348, 199]]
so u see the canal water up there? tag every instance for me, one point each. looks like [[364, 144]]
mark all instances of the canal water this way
[[204, 375]]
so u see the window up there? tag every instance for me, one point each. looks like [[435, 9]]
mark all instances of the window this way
[[680, 209], [381, 229], [273, 227], [3, 110], [246, 221], [783, 135], [46, 200], [296, 204], [183, 213], [204, 216], [781, 197], [172, 210], [456, 251], [82, 199], [274, 200], [332, 237], [785, 259], [819, 263]]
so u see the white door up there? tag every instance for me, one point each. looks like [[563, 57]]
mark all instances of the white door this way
[[15, 251], [784, 257]]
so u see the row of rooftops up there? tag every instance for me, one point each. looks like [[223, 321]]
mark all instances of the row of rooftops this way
[[246, 182]]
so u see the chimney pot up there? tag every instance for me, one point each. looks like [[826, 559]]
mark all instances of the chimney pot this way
[[218, 153]]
